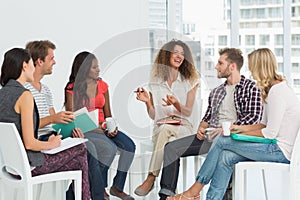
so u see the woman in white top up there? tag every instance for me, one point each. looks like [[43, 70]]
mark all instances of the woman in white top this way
[[280, 121], [173, 86]]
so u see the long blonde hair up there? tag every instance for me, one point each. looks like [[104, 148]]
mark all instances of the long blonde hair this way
[[162, 62], [263, 67]]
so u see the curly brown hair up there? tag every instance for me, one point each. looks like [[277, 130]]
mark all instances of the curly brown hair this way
[[162, 62]]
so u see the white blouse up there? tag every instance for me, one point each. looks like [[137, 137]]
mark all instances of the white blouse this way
[[281, 117], [179, 89]]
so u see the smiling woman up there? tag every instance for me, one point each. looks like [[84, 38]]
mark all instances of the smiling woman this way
[[173, 85]]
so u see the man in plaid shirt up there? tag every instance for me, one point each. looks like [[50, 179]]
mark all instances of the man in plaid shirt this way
[[236, 100]]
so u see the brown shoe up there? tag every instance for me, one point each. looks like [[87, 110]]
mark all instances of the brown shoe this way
[[140, 192], [122, 195], [146, 186]]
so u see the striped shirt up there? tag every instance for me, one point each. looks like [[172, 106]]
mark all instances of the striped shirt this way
[[44, 102], [247, 100]]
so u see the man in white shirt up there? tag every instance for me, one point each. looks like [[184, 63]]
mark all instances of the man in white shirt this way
[[42, 53]]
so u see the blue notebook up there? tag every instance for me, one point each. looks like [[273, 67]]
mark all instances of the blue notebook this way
[[250, 138], [84, 120]]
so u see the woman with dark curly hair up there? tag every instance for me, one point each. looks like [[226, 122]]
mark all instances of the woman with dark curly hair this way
[[86, 89], [173, 88]]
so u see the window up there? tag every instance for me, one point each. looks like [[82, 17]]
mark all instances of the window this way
[[209, 52], [278, 39], [250, 39], [295, 52], [223, 40], [260, 13], [275, 12], [246, 2], [280, 67], [296, 82], [278, 52], [264, 40], [296, 67], [209, 66], [296, 39], [246, 14], [262, 2], [260, 26]]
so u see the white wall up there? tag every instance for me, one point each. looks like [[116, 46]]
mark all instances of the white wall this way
[[73, 26]]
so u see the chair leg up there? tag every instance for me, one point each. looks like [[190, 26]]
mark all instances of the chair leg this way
[[239, 183], [77, 189], [197, 161], [129, 181], [184, 170], [265, 183], [38, 191], [28, 192]]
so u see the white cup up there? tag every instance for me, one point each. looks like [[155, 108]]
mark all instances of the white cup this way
[[110, 124], [226, 130], [208, 134]]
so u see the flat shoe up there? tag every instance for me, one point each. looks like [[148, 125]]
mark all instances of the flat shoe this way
[[140, 192], [128, 197]]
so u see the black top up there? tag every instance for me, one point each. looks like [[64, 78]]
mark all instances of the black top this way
[[9, 95]]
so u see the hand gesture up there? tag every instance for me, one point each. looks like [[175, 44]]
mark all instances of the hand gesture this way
[[201, 133], [236, 129], [77, 133], [114, 133], [142, 95], [169, 100], [63, 117], [54, 140]]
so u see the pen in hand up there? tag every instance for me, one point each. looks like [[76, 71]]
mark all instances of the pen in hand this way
[[58, 132]]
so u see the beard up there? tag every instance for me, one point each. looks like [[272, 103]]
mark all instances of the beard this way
[[224, 74]]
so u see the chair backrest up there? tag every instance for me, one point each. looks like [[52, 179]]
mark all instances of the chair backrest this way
[[295, 169], [13, 154]]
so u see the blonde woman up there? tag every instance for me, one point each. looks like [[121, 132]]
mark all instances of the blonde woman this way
[[280, 121], [173, 86]]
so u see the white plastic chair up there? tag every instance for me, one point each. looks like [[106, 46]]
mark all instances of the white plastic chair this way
[[290, 182], [14, 161]]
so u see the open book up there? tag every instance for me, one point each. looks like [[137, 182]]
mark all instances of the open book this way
[[84, 120], [65, 144]]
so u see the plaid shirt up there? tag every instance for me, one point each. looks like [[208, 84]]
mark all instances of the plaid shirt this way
[[247, 100]]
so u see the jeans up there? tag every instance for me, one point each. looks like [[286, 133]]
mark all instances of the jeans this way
[[95, 176], [106, 148], [183, 147], [224, 154], [46, 136]]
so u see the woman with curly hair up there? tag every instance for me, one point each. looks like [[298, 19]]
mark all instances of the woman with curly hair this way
[[86, 89], [173, 87]]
